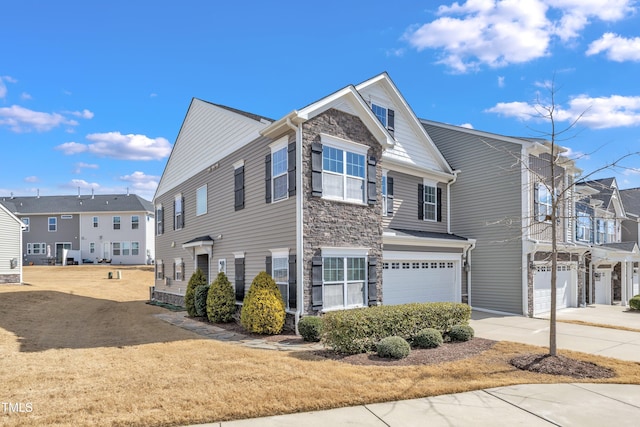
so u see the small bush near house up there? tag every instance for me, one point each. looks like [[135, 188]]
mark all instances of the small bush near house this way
[[221, 300], [427, 338], [200, 300], [461, 333], [310, 328], [197, 279], [263, 310], [393, 348], [634, 302], [358, 330]]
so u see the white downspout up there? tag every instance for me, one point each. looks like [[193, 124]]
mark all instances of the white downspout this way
[[467, 257], [452, 181]]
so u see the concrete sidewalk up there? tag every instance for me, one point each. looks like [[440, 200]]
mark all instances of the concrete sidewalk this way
[[576, 404], [623, 345]]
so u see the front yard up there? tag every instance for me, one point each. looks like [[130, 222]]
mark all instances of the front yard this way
[[79, 349]]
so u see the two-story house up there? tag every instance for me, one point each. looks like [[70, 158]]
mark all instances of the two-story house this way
[[116, 228], [345, 202], [630, 230], [10, 247], [502, 199], [600, 215]]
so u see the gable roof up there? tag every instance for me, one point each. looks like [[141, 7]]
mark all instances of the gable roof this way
[[9, 213], [631, 200], [77, 204], [608, 193]]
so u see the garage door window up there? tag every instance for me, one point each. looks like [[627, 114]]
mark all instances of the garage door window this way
[[343, 281]]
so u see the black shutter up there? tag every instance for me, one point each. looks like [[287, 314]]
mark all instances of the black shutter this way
[[372, 191], [182, 214], [421, 201], [293, 274], [291, 168], [174, 214], [391, 121], [316, 169], [268, 266], [372, 281], [439, 206], [239, 276], [536, 207], [267, 178], [238, 184], [174, 271], [316, 283], [389, 196], [161, 216]]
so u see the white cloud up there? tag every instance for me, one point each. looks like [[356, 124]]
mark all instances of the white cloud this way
[[597, 113], [496, 33], [25, 96], [31, 179], [82, 184], [466, 125], [500, 81], [85, 114], [81, 165], [617, 48], [142, 184], [118, 146], [20, 119]]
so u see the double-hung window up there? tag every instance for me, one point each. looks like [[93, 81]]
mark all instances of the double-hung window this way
[[159, 220], [611, 231], [92, 248], [384, 194], [279, 174], [344, 279], [125, 248], [159, 270], [430, 203], [201, 200], [178, 221], [135, 222], [116, 249], [26, 223], [343, 174], [280, 267], [116, 223], [53, 223], [95, 222], [600, 231], [135, 248], [544, 202], [36, 249], [583, 227]]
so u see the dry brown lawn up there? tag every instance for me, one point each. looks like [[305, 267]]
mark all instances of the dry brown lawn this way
[[85, 350]]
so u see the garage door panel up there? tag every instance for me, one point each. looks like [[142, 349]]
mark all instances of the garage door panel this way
[[408, 281], [542, 288]]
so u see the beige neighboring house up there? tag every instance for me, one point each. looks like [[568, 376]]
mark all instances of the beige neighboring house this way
[[10, 247]]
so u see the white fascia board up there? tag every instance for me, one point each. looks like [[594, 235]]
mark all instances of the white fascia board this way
[[390, 238], [394, 164], [15, 218]]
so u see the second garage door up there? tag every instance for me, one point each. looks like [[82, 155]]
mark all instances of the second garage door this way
[[565, 283], [406, 281]]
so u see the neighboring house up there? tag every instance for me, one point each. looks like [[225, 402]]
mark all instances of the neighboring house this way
[[117, 228], [631, 228], [345, 202], [502, 200], [10, 247]]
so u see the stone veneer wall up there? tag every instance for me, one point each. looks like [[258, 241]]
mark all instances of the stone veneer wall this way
[[167, 298], [9, 278], [338, 224]]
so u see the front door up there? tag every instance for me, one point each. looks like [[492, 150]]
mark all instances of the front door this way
[[202, 262], [603, 287], [60, 247], [106, 250]]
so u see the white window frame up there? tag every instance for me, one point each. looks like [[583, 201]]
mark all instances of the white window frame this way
[[277, 148], [116, 246], [36, 249], [178, 274], [545, 204], [135, 222], [178, 213], [347, 147], [126, 248], [159, 217], [384, 189], [201, 200], [381, 113], [117, 222], [159, 269], [610, 230], [583, 222], [222, 265], [345, 254], [135, 248], [280, 260], [429, 203], [92, 247], [55, 224], [600, 231], [27, 222], [95, 222]]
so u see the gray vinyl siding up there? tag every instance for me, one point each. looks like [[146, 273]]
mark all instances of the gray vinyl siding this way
[[486, 205], [68, 231], [253, 230], [9, 247], [405, 205]]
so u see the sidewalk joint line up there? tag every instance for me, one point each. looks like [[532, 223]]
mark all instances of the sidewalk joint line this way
[[522, 409]]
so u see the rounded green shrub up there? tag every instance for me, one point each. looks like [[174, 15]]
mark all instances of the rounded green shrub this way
[[197, 279], [263, 311], [221, 300], [634, 302], [310, 328], [428, 338], [393, 348], [200, 300], [461, 333]]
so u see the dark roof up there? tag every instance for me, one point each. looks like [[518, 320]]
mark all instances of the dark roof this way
[[605, 188], [76, 204], [200, 239], [631, 200], [624, 246], [255, 117], [426, 234]]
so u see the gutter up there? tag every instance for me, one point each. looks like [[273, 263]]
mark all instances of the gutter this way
[[467, 259]]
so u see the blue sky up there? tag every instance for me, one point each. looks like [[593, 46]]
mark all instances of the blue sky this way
[[93, 93]]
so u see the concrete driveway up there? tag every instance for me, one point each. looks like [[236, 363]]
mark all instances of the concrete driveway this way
[[620, 344]]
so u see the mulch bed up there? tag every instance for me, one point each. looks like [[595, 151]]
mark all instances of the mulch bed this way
[[560, 365]]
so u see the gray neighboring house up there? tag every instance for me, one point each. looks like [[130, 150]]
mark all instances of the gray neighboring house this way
[[501, 199], [117, 227], [10, 247], [345, 202], [631, 228]]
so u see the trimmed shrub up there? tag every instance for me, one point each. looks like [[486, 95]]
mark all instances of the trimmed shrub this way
[[197, 279], [200, 300], [461, 333], [221, 300], [358, 330], [263, 310], [634, 302], [310, 328], [427, 338], [393, 348]]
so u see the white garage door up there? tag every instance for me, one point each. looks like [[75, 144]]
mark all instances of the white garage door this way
[[542, 288], [405, 281]]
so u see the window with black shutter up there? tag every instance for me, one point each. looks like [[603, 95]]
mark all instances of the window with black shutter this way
[[238, 183], [239, 279]]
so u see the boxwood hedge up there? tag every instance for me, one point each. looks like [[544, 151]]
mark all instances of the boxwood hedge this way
[[358, 330]]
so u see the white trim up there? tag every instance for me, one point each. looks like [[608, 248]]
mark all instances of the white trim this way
[[206, 199], [237, 255], [391, 255], [278, 144], [238, 164], [390, 238], [279, 252], [344, 144], [328, 251]]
